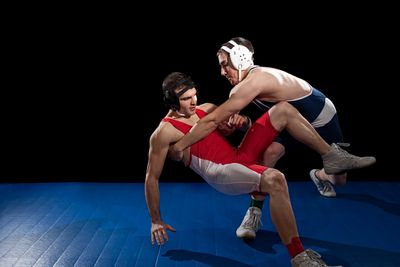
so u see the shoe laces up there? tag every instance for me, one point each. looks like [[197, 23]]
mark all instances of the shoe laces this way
[[343, 144], [313, 255], [253, 221], [327, 186], [342, 151], [321, 184]]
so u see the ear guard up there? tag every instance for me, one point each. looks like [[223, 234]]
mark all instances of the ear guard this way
[[240, 56], [171, 98]]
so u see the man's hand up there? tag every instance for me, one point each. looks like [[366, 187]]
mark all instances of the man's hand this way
[[238, 121], [235, 122], [175, 154], [159, 232]]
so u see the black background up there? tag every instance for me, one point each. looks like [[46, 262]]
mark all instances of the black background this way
[[82, 89]]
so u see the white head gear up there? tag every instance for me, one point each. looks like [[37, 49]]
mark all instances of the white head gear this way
[[240, 56]]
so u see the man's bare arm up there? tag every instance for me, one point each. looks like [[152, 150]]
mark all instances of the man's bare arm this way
[[209, 123], [159, 144], [157, 155]]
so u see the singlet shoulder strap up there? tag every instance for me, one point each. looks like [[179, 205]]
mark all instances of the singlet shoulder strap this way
[[201, 113], [181, 126]]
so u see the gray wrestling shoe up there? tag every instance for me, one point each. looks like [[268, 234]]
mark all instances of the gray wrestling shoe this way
[[309, 258], [325, 188], [251, 224], [338, 160]]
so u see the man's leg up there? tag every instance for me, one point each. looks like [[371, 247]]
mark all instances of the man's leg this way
[[285, 116], [335, 159], [251, 222], [256, 141], [331, 133], [248, 228], [274, 183], [272, 154]]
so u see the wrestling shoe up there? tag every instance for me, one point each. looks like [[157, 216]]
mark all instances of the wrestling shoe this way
[[338, 160], [309, 258], [325, 188], [251, 224]]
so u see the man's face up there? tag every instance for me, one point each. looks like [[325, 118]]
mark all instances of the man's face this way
[[188, 102], [227, 69]]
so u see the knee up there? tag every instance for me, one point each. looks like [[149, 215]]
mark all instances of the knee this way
[[284, 107], [275, 151], [280, 113], [286, 110], [273, 182]]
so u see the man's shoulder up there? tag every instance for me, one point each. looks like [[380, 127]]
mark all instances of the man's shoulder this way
[[207, 107], [163, 131]]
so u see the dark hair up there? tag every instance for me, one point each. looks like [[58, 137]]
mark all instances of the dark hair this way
[[175, 85]]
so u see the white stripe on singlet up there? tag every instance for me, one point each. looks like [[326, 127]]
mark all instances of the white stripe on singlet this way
[[326, 115]]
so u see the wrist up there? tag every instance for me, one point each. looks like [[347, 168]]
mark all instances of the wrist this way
[[156, 221]]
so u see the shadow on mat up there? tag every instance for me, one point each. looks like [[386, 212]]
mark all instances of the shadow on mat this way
[[390, 207], [206, 258], [332, 253]]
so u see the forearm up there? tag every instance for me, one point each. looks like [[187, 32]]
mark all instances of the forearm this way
[[199, 131], [152, 193], [207, 124]]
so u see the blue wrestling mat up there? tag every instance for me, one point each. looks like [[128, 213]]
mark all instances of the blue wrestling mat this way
[[107, 224]]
